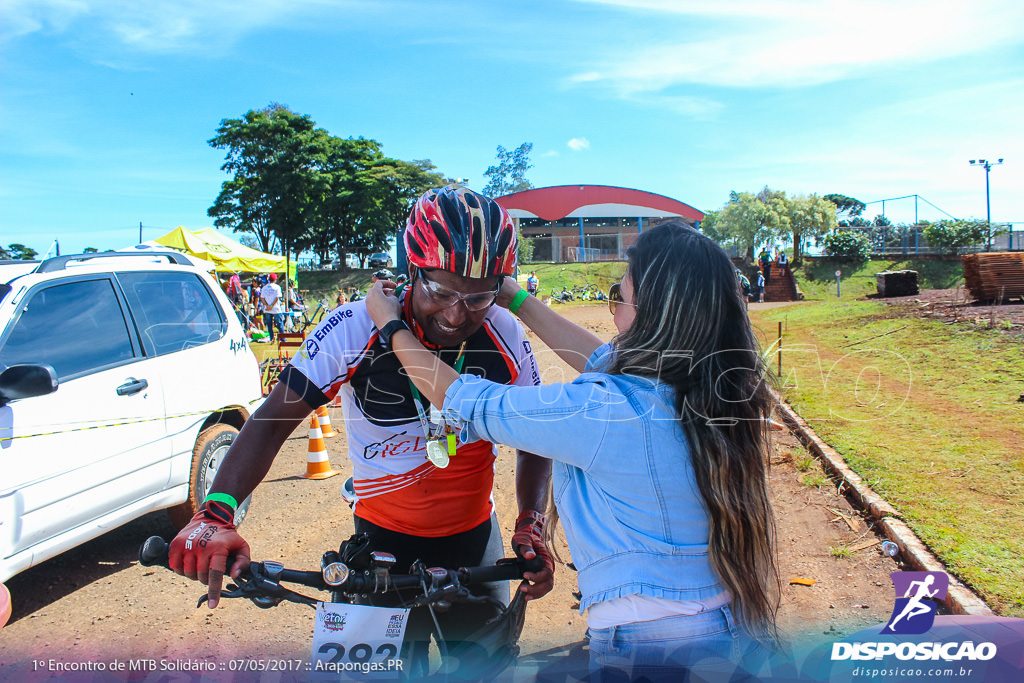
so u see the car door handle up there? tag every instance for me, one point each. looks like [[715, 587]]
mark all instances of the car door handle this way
[[132, 387]]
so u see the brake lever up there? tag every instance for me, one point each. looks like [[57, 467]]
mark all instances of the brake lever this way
[[260, 590]]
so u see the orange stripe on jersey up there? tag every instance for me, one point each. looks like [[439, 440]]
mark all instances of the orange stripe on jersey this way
[[375, 487], [512, 370], [440, 502]]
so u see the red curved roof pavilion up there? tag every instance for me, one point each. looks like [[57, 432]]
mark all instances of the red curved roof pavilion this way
[[590, 222], [565, 201]]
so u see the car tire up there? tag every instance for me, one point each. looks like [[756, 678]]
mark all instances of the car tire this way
[[211, 447]]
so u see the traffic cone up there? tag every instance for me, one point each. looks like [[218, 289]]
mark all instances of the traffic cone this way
[[325, 422], [317, 464]]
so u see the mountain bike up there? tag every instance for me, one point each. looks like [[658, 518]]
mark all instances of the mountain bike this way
[[351, 636]]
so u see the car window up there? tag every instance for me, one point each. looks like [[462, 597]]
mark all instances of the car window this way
[[77, 327], [174, 311]]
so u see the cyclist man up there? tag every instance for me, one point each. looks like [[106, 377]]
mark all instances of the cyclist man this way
[[413, 501]]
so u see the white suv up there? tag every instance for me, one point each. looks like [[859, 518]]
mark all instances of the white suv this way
[[123, 380]]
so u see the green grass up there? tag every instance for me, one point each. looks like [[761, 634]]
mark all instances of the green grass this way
[[816, 278], [840, 551], [926, 413], [556, 275]]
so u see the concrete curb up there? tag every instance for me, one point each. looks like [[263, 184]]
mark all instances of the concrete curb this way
[[959, 599]]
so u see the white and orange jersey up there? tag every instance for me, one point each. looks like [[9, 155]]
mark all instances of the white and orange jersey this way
[[397, 486]]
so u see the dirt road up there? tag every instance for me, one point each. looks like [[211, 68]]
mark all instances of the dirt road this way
[[97, 603]]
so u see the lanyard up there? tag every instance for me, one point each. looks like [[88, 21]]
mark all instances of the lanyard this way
[[424, 422]]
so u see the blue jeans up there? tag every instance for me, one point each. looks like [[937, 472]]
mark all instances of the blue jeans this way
[[271, 319], [668, 648]]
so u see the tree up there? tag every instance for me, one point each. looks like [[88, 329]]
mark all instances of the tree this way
[[750, 219], [509, 175], [811, 216], [90, 250], [847, 208], [951, 236], [277, 159], [18, 252], [848, 246]]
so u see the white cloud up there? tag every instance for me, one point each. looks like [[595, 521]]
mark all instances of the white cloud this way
[[159, 25], [578, 144], [549, 153], [793, 43]]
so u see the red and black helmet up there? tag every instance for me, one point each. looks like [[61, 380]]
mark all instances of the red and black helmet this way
[[462, 232]]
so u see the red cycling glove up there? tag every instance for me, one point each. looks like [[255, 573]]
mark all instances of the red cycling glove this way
[[201, 550], [530, 533]]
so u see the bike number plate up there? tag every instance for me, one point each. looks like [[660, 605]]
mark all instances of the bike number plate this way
[[351, 641]]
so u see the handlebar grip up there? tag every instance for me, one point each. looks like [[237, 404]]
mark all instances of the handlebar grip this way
[[154, 552], [503, 572]]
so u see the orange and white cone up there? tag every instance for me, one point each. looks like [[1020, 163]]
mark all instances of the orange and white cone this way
[[317, 464], [325, 422]]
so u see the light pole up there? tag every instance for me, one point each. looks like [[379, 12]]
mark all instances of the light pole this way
[[987, 165]]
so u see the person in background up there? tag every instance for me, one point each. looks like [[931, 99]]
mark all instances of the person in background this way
[[761, 281], [660, 464], [532, 283], [341, 299], [782, 262], [765, 259], [273, 307]]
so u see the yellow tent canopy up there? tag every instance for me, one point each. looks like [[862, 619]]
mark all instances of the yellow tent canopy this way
[[226, 254]]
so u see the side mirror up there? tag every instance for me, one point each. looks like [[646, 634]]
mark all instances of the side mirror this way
[[26, 381]]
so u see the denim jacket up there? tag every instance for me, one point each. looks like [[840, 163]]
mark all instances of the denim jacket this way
[[622, 478]]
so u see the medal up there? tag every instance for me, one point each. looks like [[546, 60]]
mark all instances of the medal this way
[[437, 453]]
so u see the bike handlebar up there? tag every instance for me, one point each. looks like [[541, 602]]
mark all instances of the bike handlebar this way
[[154, 551]]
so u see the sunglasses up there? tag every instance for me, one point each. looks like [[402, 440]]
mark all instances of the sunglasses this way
[[615, 298], [446, 297]]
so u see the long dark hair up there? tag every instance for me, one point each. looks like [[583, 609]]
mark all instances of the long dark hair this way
[[691, 331]]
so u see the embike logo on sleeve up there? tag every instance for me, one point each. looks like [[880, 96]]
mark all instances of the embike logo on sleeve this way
[[331, 322], [913, 613], [310, 349]]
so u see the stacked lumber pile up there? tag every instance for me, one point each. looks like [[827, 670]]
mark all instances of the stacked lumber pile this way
[[994, 276], [896, 282]]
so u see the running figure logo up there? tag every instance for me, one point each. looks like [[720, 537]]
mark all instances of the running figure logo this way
[[917, 594]]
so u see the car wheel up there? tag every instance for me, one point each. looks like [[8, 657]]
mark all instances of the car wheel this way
[[211, 447]]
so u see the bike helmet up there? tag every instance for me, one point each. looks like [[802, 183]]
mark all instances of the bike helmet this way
[[383, 274], [462, 232]]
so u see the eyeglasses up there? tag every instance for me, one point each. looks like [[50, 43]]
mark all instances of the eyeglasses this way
[[446, 297], [615, 298]]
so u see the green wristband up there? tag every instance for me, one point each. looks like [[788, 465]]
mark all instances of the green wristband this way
[[223, 498], [520, 297]]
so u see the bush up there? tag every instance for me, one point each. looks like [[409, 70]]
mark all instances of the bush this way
[[847, 246], [949, 237]]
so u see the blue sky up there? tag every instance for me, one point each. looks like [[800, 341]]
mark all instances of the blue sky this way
[[106, 106]]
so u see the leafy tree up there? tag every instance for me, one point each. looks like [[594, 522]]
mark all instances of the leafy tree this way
[[509, 174], [847, 208], [90, 250], [848, 246], [749, 219], [368, 199], [277, 160], [951, 236], [880, 221], [709, 226], [811, 216], [18, 252]]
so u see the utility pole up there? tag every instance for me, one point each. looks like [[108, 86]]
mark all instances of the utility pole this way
[[140, 232], [987, 165]]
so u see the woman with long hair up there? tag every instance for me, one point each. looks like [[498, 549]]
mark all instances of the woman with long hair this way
[[659, 450]]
